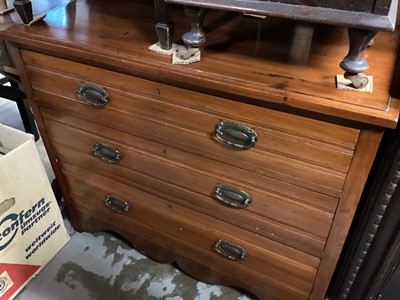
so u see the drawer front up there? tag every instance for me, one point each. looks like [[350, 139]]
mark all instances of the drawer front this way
[[155, 172], [299, 151], [289, 271]]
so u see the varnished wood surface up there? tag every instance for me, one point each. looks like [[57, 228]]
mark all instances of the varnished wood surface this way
[[334, 134], [171, 149], [154, 242], [319, 160], [289, 221], [311, 222], [161, 119], [357, 177], [39, 7], [272, 60], [291, 271]]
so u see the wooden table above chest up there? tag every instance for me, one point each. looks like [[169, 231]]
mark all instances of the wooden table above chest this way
[[363, 19], [168, 153]]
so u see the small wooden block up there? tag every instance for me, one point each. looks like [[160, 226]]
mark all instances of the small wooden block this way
[[36, 19], [156, 48], [345, 84], [178, 61]]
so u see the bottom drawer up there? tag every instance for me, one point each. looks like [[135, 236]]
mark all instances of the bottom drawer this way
[[269, 269]]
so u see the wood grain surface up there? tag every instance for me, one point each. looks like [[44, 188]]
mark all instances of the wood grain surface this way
[[200, 181], [275, 61], [305, 174], [291, 271]]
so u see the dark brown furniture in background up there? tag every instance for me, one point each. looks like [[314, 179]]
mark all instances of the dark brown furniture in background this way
[[245, 170], [363, 18]]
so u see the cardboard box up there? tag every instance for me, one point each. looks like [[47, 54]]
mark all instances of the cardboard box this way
[[32, 230]]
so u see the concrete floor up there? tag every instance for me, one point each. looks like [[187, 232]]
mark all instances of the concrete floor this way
[[101, 266]]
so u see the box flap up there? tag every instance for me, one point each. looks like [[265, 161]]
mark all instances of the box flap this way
[[11, 138]]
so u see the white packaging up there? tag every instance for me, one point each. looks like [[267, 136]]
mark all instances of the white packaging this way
[[32, 230]]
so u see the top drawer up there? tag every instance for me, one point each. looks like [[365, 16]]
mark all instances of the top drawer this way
[[300, 151]]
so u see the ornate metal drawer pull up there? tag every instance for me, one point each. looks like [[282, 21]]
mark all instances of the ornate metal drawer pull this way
[[116, 204], [229, 250], [232, 196], [92, 94], [107, 153], [235, 135]]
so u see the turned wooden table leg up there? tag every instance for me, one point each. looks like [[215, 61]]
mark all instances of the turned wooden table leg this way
[[164, 27], [355, 63], [24, 9], [195, 38]]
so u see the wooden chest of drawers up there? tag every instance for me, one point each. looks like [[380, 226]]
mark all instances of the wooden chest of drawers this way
[[242, 178]]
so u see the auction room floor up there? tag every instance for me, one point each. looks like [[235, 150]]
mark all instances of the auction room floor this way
[[100, 266]]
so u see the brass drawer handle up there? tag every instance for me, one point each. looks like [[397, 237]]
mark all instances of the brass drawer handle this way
[[107, 153], [92, 94], [116, 204], [232, 196], [229, 250], [236, 135]]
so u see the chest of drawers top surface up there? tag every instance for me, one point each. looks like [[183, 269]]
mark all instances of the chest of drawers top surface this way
[[288, 63]]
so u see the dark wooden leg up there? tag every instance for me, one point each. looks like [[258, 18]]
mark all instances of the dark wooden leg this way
[[195, 37], [355, 63], [24, 9], [164, 26]]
